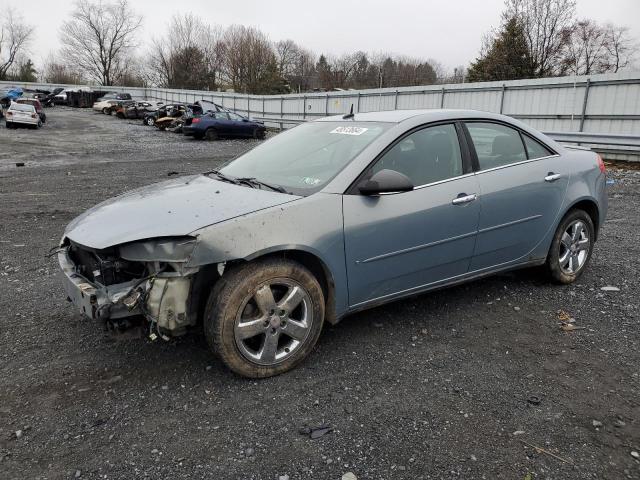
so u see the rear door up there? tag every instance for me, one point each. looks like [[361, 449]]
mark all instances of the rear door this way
[[522, 185], [396, 243]]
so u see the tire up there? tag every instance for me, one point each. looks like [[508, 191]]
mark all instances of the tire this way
[[9, 125], [105, 110], [149, 121], [571, 247], [211, 134], [232, 303], [258, 133], [39, 124]]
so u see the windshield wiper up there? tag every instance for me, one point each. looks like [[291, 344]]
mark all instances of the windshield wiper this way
[[222, 176], [251, 181]]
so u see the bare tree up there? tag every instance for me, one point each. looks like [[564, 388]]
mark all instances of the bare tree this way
[[621, 47], [250, 63], [14, 40], [98, 37], [287, 53], [57, 71], [545, 23], [586, 49], [188, 55]]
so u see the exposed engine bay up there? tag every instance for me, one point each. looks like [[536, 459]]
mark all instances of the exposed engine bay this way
[[124, 288]]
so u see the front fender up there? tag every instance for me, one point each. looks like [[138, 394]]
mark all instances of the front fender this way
[[313, 225]]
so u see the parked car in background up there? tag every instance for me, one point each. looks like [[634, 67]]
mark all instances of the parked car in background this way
[[8, 95], [47, 99], [37, 105], [104, 106], [22, 114], [331, 217], [135, 110], [119, 105], [174, 110], [115, 96], [214, 125]]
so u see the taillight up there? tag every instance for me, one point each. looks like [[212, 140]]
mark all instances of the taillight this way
[[601, 165], [195, 120], [33, 115], [9, 114]]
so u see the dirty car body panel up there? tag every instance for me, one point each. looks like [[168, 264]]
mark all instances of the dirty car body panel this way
[[144, 251]]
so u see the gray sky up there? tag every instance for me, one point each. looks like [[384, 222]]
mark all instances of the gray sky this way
[[446, 30]]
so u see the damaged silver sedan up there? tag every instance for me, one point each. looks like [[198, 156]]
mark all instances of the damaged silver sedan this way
[[331, 217]]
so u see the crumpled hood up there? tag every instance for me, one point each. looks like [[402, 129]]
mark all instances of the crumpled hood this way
[[172, 208]]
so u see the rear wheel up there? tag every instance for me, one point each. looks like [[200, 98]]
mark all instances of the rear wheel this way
[[149, 121], [571, 247], [211, 134], [264, 318], [258, 133], [105, 111]]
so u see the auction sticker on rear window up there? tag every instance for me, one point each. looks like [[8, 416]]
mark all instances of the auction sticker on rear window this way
[[349, 130]]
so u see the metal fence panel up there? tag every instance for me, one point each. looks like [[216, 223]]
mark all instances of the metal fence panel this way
[[607, 104]]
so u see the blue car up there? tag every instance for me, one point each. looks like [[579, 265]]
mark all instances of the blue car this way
[[214, 125], [332, 217]]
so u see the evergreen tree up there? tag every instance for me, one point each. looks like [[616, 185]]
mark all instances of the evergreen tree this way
[[26, 72], [506, 57]]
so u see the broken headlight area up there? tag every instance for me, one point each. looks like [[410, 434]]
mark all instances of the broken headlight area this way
[[143, 284]]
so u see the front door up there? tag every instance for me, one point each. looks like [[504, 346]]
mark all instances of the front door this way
[[401, 242], [522, 187]]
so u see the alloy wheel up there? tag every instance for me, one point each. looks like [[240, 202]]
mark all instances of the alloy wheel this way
[[574, 247], [273, 322]]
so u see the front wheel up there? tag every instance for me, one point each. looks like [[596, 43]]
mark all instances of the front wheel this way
[[264, 318], [149, 121], [571, 247], [105, 111]]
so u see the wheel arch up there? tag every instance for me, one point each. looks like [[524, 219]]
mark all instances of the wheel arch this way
[[208, 275], [590, 206], [314, 263]]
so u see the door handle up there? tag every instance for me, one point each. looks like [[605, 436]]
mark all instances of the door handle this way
[[552, 177], [464, 198]]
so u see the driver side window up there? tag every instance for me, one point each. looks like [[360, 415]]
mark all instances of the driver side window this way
[[426, 156]]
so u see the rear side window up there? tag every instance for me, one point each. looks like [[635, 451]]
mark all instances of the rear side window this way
[[496, 145], [535, 149]]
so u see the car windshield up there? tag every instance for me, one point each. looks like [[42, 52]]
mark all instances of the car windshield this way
[[22, 107], [305, 158]]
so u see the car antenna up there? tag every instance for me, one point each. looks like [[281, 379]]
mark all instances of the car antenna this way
[[350, 114]]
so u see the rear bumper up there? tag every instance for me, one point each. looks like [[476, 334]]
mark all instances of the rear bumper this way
[[24, 121], [190, 131]]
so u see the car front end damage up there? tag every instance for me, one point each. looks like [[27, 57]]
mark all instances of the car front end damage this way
[[144, 284]]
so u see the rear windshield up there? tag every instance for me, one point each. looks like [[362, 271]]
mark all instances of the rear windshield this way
[[20, 107]]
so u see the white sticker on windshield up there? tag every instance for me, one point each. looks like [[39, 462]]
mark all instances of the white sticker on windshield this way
[[349, 130]]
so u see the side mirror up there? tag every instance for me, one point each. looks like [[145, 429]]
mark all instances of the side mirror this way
[[386, 181]]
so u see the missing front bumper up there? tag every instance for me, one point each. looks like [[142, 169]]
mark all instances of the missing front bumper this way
[[162, 300]]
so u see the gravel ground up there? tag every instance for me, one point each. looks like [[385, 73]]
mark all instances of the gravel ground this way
[[463, 383]]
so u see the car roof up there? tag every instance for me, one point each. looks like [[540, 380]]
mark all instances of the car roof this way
[[398, 116]]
